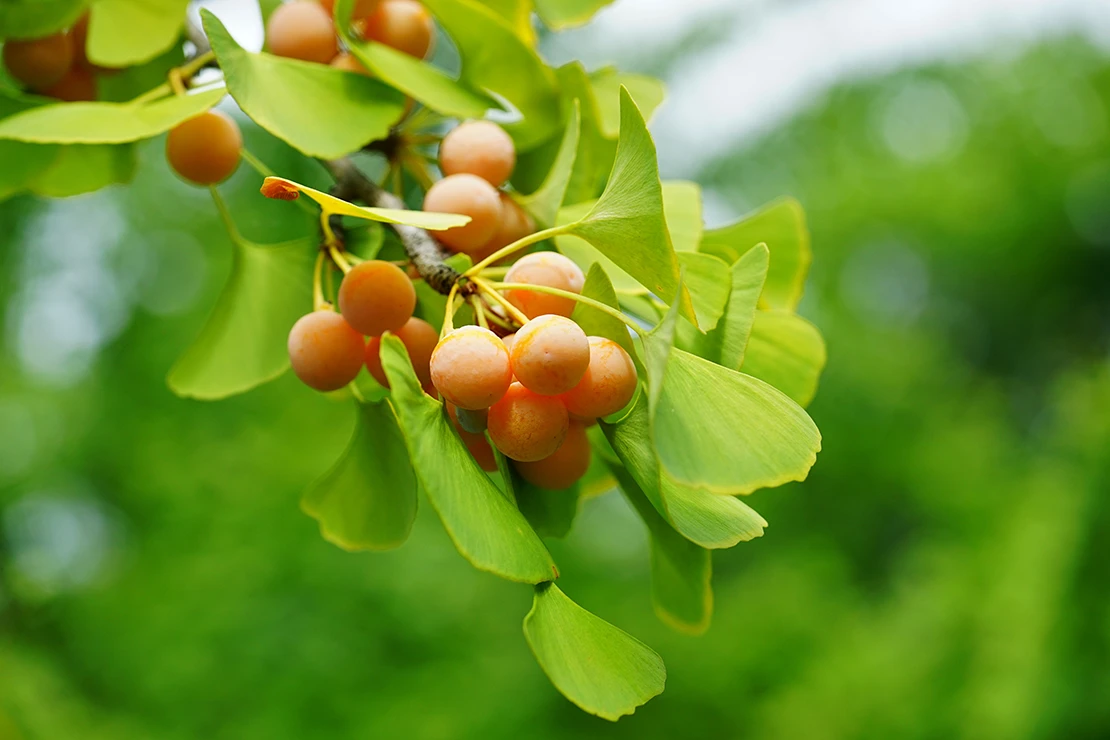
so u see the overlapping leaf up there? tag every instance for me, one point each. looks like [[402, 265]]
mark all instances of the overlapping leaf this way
[[127, 32], [23, 162], [726, 343], [545, 202], [560, 14], [84, 168], [332, 205], [786, 351], [607, 82], [32, 19], [596, 322]]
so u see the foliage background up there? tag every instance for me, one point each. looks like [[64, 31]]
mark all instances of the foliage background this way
[[942, 573]]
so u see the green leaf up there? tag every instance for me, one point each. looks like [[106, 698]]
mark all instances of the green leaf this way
[[23, 163], [105, 123], [84, 168], [335, 206], [560, 14], [551, 513], [603, 670], [627, 222], [485, 526], [709, 282], [367, 501], [243, 344], [124, 85], [781, 226], [681, 571], [786, 351], [322, 111], [682, 207], [726, 343], [595, 151], [518, 14], [657, 345], [595, 322], [607, 82], [494, 58], [33, 19], [545, 202], [585, 255], [127, 32], [728, 432], [266, 8]]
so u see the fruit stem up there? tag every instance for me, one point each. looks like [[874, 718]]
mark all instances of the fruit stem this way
[[519, 244], [495, 272], [572, 296], [318, 301], [449, 313], [152, 94], [488, 289], [338, 259], [479, 311], [225, 215], [354, 259]]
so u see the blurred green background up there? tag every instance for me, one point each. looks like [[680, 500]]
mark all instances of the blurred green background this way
[[944, 572]]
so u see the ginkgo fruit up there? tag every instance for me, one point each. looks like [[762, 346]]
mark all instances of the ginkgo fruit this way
[[549, 269], [303, 30], [527, 426], [479, 148], [39, 63], [404, 25], [362, 9], [376, 296], [78, 84], [608, 383], [562, 468], [514, 224], [468, 195], [205, 149], [470, 367], [348, 62], [476, 442], [325, 352], [420, 339], [550, 354]]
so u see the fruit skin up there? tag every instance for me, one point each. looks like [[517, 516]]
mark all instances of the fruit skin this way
[[468, 195], [608, 384], [205, 149], [514, 224], [78, 85], [562, 468], [470, 368], [479, 148], [349, 63], [39, 63], [476, 443], [404, 25], [303, 30], [550, 269], [527, 426], [376, 296], [420, 339], [325, 352], [550, 354]]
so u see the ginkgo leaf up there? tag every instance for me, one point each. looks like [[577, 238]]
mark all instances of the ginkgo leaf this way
[[33, 19], [726, 343], [123, 33], [682, 207], [709, 282], [602, 669], [367, 501], [560, 14], [23, 162], [607, 82], [84, 168], [786, 351], [596, 322], [545, 202]]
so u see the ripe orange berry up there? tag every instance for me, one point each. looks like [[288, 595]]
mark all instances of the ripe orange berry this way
[[205, 149], [302, 30], [470, 367], [550, 354], [348, 62], [39, 63], [363, 8], [476, 442], [376, 296], [420, 339], [468, 195], [562, 468], [326, 353], [527, 426], [607, 385], [404, 25], [479, 148], [515, 224], [78, 85], [550, 269]]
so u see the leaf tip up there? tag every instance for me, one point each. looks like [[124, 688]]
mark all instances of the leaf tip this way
[[279, 189]]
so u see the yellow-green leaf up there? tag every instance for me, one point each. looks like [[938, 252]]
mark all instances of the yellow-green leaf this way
[[786, 351], [545, 202], [123, 33]]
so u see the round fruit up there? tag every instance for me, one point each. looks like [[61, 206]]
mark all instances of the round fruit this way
[[302, 30], [363, 8], [347, 62], [508, 340], [527, 426], [404, 25], [550, 354], [78, 85], [468, 195], [476, 442], [515, 224], [564, 467], [376, 296], [326, 353], [608, 384], [39, 63], [549, 269], [205, 149], [420, 339], [479, 148], [470, 367]]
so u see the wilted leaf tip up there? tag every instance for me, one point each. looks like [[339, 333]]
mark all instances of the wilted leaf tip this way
[[279, 189]]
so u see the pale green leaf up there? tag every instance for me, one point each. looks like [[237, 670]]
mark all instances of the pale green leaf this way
[[322, 111], [585, 255], [781, 226], [560, 14], [33, 19], [23, 162], [595, 151], [596, 322], [83, 168], [709, 281], [648, 93], [494, 58], [243, 344], [485, 526], [124, 85], [602, 669], [545, 202], [332, 205], [518, 14], [127, 32], [266, 8], [367, 501], [105, 123], [786, 351], [682, 207], [726, 343]]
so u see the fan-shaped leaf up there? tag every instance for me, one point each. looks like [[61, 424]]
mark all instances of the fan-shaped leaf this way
[[560, 14], [607, 82], [32, 19], [596, 322], [23, 162], [127, 32], [545, 202], [332, 205], [786, 351], [603, 670], [726, 343], [682, 207], [83, 168], [709, 282], [518, 14]]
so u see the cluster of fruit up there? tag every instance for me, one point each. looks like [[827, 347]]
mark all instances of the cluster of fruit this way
[[304, 29], [56, 66]]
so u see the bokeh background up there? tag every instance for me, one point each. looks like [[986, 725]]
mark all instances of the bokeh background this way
[[944, 572]]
